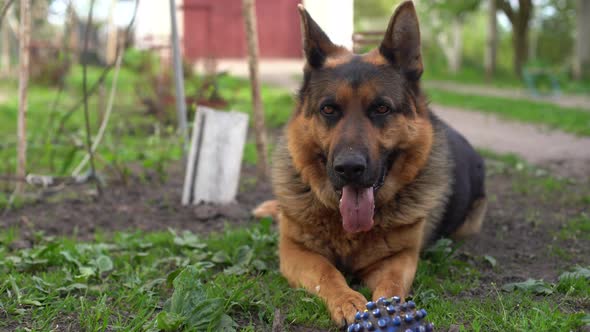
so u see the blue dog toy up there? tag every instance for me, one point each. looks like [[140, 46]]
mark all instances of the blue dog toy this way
[[390, 315]]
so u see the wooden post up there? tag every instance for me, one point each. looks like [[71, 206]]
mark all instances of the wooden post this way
[[215, 156], [5, 66], [257, 108], [23, 83], [178, 77], [111, 49]]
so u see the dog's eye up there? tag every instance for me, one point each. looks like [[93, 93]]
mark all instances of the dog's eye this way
[[328, 110], [382, 109]]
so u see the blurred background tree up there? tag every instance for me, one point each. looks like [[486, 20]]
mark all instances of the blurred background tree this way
[[503, 37]]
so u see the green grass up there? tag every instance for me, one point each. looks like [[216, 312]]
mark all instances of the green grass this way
[[125, 281], [576, 228], [170, 281], [278, 103], [437, 69], [570, 120], [131, 139]]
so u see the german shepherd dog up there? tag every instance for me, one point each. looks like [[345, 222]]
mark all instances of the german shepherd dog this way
[[366, 175]]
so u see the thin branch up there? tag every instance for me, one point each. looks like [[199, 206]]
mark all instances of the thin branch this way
[[4, 10], [23, 88], [99, 81], [62, 81], [105, 121], [85, 89]]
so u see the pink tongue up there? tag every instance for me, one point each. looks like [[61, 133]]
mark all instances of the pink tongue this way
[[356, 209]]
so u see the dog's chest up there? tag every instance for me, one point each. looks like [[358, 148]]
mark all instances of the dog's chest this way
[[350, 252]]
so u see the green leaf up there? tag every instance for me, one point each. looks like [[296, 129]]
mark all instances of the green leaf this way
[[190, 300], [491, 260], [244, 255], [537, 287], [169, 321], [578, 273], [73, 287], [235, 270], [226, 324], [220, 257], [188, 239], [68, 256], [32, 302], [86, 272], [104, 263], [172, 276], [259, 265]]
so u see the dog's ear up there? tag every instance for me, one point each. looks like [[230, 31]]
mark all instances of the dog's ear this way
[[316, 44], [401, 44]]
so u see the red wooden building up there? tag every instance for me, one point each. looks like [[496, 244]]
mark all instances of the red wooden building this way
[[215, 28]]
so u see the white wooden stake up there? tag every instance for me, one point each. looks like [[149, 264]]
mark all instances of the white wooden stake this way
[[215, 156]]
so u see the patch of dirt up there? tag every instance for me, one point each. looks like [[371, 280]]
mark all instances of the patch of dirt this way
[[141, 205], [521, 231]]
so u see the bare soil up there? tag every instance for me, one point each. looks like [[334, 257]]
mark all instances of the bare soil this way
[[147, 205]]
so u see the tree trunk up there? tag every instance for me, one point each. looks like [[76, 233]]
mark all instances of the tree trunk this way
[[258, 111], [520, 30], [582, 55], [491, 40], [24, 38], [520, 43]]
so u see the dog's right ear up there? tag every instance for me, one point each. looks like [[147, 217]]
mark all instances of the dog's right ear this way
[[316, 44]]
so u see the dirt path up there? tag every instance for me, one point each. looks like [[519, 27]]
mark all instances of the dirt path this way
[[566, 154], [577, 101]]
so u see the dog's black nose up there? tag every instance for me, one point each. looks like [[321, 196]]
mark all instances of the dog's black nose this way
[[350, 167]]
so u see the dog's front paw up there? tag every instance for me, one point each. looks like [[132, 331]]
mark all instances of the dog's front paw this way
[[344, 306]]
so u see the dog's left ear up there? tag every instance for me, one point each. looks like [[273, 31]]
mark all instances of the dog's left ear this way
[[401, 44]]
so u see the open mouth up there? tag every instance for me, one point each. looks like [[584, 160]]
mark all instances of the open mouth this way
[[357, 202], [357, 206]]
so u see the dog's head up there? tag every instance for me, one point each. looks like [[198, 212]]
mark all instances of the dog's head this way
[[361, 128]]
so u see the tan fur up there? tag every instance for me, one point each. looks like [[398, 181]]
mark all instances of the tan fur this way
[[267, 209], [375, 58], [333, 61], [473, 221]]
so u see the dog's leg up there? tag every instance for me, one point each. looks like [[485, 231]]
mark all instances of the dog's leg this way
[[394, 275], [473, 221], [267, 209], [315, 273]]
